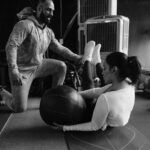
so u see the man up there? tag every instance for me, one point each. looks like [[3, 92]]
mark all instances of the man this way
[[25, 50]]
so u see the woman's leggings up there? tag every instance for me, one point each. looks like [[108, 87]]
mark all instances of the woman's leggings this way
[[87, 75], [88, 83]]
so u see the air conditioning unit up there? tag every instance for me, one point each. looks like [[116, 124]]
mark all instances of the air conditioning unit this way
[[94, 8], [111, 31]]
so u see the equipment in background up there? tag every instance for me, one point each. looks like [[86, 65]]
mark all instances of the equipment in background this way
[[62, 105], [93, 8], [73, 78], [98, 20], [144, 82], [111, 31]]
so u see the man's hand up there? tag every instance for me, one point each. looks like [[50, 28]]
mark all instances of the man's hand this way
[[16, 77], [79, 60]]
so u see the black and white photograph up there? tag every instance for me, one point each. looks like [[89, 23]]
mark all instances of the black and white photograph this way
[[75, 75]]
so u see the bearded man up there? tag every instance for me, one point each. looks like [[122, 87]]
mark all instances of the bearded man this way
[[29, 40]]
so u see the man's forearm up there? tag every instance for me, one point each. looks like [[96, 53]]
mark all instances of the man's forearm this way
[[68, 54]]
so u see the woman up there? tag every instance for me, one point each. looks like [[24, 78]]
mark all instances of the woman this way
[[114, 101]]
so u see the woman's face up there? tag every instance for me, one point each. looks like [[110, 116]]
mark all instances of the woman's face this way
[[107, 73]]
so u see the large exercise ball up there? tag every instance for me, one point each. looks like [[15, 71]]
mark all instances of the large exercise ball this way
[[62, 105]]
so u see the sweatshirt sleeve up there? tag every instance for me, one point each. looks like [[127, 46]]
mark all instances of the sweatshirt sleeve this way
[[98, 120], [17, 36], [61, 50]]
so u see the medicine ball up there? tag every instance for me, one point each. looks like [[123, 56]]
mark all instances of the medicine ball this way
[[62, 105]]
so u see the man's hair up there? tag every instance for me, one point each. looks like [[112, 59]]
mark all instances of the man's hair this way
[[43, 1], [36, 2]]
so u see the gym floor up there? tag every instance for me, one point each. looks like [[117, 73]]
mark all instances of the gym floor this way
[[27, 131], [140, 117]]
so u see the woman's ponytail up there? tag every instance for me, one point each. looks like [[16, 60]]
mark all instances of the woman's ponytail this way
[[133, 69]]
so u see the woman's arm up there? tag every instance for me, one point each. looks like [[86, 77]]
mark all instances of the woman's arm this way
[[95, 92], [98, 119]]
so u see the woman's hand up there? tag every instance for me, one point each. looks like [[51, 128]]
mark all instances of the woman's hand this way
[[57, 126]]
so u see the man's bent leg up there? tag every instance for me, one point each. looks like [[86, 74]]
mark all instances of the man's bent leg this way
[[55, 68], [17, 100]]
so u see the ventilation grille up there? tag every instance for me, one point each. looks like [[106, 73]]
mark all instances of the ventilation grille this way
[[104, 33], [94, 8], [111, 32]]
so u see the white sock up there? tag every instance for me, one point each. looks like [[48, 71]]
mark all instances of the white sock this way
[[96, 58], [88, 51]]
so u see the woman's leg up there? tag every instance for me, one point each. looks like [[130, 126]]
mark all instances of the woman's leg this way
[[87, 77], [88, 83], [99, 70], [96, 59], [17, 99]]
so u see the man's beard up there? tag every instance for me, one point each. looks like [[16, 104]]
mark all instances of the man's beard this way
[[45, 19]]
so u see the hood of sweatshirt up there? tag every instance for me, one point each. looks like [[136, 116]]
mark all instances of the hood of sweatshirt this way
[[29, 13]]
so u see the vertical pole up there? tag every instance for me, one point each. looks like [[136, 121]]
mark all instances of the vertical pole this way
[[61, 34]]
